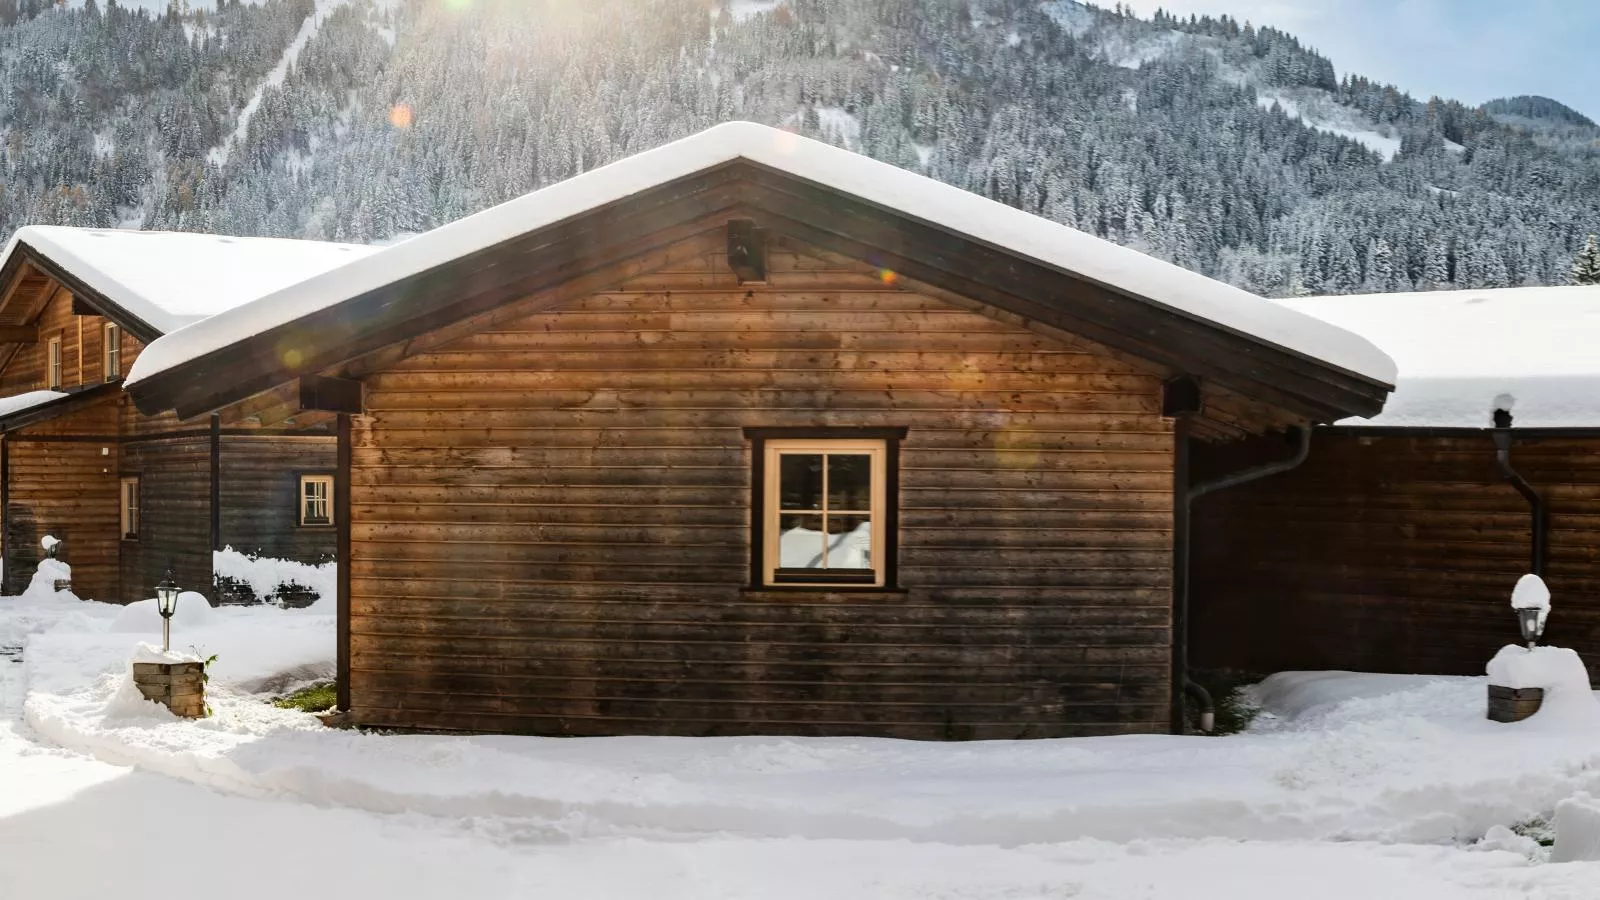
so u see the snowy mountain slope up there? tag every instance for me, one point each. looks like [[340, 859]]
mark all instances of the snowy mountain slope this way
[[219, 154], [370, 120]]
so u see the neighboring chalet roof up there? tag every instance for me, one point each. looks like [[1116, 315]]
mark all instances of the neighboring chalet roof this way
[[1464, 354], [22, 410], [158, 282], [926, 231]]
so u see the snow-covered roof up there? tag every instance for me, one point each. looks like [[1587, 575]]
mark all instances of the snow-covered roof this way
[[906, 192], [17, 403], [1463, 354], [169, 279]]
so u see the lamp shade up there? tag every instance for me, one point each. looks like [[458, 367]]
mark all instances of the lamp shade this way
[[1529, 620], [167, 596]]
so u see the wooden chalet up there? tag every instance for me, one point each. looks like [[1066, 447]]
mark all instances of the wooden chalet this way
[[1395, 547], [749, 434], [133, 495]]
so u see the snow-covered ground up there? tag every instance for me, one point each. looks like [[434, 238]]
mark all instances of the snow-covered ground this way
[[1352, 785]]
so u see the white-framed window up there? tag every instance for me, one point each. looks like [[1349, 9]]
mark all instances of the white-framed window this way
[[130, 508], [113, 360], [53, 364], [316, 499], [825, 516]]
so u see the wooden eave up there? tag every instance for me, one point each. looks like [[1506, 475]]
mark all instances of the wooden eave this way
[[26, 257], [75, 399], [1043, 296]]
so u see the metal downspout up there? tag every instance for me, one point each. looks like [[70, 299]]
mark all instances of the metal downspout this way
[[1188, 493], [1503, 439]]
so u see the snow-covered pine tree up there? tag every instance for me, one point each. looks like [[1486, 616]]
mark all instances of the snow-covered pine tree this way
[[1586, 265]]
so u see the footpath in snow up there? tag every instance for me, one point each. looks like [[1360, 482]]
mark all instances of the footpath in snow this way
[[1381, 758], [414, 817]]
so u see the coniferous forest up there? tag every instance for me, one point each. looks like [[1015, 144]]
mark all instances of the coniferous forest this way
[[1227, 147]]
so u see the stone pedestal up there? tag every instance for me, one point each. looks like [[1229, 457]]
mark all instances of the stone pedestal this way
[[1513, 704], [180, 687]]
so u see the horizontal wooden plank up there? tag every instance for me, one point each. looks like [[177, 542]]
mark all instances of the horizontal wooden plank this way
[[580, 726], [756, 401], [364, 636]]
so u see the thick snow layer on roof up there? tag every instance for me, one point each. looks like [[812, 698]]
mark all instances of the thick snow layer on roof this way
[[172, 279], [909, 193], [1463, 354], [25, 402]]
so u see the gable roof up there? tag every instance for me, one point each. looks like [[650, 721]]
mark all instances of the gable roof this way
[[841, 201], [1463, 354], [154, 283]]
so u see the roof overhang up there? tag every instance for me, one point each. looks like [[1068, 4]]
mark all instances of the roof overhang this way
[[74, 400], [25, 253], [589, 241]]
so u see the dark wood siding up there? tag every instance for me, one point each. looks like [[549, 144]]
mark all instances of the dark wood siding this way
[[551, 521], [1393, 554], [64, 482], [175, 478], [260, 495]]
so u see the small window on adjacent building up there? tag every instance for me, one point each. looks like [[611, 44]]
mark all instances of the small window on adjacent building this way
[[53, 364], [825, 517], [113, 351], [130, 508], [316, 499]]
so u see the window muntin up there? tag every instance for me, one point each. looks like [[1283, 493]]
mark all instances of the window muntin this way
[[53, 364], [113, 355], [824, 509], [130, 508], [316, 500]]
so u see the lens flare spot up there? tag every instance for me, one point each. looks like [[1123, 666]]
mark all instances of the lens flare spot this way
[[888, 276], [400, 115], [292, 358]]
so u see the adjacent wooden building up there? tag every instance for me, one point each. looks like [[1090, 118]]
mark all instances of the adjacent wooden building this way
[[133, 495], [1395, 547], [753, 435]]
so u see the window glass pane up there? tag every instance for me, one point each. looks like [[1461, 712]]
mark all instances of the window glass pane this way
[[800, 542], [849, 542], [800, 480], [850, 481]]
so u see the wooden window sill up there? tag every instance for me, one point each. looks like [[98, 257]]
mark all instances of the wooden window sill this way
[[822, 589]]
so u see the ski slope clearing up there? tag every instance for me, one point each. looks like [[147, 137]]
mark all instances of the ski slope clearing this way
[[274, 78], [1318, 110]]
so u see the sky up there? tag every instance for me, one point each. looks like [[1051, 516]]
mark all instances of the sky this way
[[1467, 50]]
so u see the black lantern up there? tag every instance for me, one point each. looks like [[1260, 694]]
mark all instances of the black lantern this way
[[167, 604], [1530, 618]]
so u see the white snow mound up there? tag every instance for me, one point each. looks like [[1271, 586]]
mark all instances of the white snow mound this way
[[1532, 593], [1577, 826], [1558, 670], [143, 617]]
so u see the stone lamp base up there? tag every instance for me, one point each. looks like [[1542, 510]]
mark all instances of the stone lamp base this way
[[180, 687], [1513, 704]]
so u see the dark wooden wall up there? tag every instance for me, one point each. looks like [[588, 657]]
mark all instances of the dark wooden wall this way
[[175, 478], [63, 481], [1393, 554], [260, 495], [551, 521]]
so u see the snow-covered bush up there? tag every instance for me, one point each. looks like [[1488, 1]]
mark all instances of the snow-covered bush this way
[[244, 579]]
